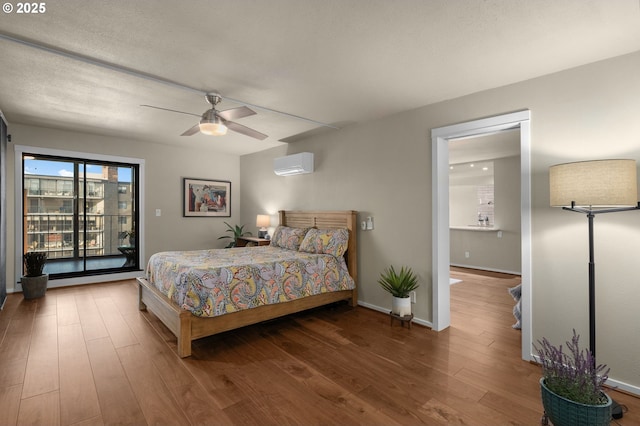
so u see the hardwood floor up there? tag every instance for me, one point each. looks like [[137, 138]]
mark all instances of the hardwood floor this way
[[481, 304], [86, 356]]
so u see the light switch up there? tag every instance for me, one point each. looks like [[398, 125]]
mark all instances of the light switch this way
[[369, 223], [158, 212]]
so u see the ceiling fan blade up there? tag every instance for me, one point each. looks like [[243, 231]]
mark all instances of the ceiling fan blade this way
[[171, 110], [245, 130], [236, 113], [192, 131]]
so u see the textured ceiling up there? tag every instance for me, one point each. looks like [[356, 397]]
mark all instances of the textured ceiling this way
[[334, 61]]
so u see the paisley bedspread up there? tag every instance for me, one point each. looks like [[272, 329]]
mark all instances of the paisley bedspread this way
[[219, 281]]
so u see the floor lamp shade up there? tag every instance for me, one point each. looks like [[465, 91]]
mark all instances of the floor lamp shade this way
[[598, 183]]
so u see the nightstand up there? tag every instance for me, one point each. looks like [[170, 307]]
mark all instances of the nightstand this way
[[251, 242]]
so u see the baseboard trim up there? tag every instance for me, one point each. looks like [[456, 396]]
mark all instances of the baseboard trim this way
[[482, 268], [623, 387], [610, 383], [88, 279], [416, 320]]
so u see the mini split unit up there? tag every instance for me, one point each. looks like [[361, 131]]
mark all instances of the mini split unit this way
[[295, 164]]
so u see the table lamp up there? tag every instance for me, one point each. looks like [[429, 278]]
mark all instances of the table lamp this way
[[262, 222]]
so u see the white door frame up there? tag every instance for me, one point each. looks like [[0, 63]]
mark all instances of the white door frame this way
[[441, 317]]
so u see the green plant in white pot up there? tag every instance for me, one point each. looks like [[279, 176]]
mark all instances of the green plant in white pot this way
[[571, 385], [34, 282], [400, 285]]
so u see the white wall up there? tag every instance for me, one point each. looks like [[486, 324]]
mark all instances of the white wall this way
[[165, 166], [486, 250], [463, 204], [382, 169], [464, 208]]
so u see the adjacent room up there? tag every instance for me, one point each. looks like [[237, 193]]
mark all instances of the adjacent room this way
[[205, 205]]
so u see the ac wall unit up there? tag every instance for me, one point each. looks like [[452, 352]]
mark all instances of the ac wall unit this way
[[295, 164]]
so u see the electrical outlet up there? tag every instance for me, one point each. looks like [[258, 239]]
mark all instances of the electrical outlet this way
[[467, 254], [413, 297]]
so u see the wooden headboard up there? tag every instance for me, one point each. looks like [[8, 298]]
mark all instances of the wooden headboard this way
[[328, 220]]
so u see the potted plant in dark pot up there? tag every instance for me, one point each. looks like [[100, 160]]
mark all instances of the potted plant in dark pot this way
[[400, 285], [571, 385], [236, 231], [34, 282], [130, 236]]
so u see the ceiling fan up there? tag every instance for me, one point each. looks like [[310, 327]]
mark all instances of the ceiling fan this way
[[216, 123]]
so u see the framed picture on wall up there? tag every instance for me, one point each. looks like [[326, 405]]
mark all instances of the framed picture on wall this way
[[204, 198]]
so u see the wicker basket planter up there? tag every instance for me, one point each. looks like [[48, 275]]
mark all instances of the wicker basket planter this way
[[564, 412]]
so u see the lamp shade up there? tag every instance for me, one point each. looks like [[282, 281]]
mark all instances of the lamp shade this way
[[598, 183], [262, 221]]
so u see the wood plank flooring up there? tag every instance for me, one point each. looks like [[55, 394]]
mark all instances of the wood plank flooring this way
[[86, 356]]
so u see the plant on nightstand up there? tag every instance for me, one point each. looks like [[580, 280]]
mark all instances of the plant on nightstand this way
[[236, 231], [400, 285], [34, 282]]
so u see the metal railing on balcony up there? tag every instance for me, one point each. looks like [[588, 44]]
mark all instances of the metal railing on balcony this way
[[97, 235]]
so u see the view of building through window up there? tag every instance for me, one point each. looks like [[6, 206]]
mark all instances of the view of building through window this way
[[76, 210]]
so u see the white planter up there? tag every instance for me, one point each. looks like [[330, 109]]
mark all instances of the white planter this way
[[401, 306]]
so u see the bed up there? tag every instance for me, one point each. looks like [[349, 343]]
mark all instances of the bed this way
[[188, 321]]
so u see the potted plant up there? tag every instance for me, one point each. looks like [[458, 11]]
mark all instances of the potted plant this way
[[34, 283], [400, 285], [236, 231], [131, 235], [571, 385]]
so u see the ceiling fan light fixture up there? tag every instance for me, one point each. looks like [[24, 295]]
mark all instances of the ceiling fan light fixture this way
[[213, 129], [212, 125], [217, 123]]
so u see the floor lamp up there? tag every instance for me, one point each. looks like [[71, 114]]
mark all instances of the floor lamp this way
[[591, 188]]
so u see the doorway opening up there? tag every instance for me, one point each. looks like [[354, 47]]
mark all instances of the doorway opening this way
[[441, 303]]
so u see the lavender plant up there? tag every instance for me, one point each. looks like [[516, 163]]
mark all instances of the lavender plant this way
[[572, 375]]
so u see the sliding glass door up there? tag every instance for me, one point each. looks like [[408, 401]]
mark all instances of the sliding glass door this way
[[82, 213]]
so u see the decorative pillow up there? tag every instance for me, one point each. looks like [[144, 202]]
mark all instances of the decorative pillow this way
[[287, 237], [326, 241]]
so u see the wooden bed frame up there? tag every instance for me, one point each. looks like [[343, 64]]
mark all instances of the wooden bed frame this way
[[187, 327]]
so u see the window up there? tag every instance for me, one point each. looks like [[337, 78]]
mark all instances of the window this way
[[76, 211]]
